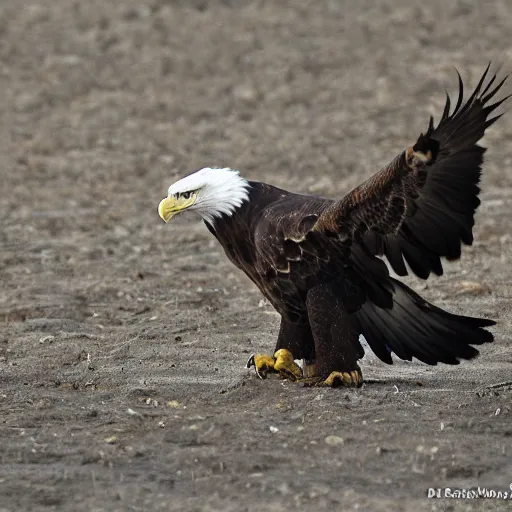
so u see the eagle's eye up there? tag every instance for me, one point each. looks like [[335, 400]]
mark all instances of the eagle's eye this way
[[186, 195]]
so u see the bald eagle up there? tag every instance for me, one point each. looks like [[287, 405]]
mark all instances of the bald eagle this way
[[319, 262]]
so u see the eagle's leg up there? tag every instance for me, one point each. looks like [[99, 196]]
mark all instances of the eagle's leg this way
[[295, 341], [337, 347]]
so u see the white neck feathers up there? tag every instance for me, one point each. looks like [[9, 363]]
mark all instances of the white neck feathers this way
[[220, 191]]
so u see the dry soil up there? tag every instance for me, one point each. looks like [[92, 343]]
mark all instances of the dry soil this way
[[123, 340]]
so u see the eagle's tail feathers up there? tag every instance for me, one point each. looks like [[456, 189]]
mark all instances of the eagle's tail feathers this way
[[415, 328]]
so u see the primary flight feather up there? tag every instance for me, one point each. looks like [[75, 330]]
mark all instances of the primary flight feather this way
[[318, 261]]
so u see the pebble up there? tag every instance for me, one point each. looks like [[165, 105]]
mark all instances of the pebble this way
[[334, 440]]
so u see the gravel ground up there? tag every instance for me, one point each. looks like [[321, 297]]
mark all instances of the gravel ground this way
[[123, 341]]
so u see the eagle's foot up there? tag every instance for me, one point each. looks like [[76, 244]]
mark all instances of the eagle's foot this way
[[351, 379], [286, 365], [263, 364], [282, 362]]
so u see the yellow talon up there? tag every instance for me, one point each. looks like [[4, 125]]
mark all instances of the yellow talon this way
[[262, 363], [282, 362], [347, 379], [286, 366]]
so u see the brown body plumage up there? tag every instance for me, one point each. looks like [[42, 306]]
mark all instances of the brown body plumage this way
[[318, 261]]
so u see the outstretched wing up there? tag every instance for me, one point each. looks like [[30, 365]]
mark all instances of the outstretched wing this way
[[421, 206]]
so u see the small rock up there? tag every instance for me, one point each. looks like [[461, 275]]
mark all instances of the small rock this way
[[284, 489], [334, 440], [121, 231], [246, 94], [44, 339], [472, 288]]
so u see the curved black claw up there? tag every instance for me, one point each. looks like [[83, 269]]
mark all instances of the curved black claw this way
[[262, 363], [281, 362]]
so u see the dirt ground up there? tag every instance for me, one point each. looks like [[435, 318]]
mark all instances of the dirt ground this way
[[123, 340]]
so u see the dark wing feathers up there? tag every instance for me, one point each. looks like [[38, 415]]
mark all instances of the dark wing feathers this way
[[285, 240], [416, 210], [421, 206]]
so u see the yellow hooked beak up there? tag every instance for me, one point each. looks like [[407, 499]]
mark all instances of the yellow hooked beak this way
[[167, 208], [171, 205]]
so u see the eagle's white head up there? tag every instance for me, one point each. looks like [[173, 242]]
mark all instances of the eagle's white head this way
[[211, 192]]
